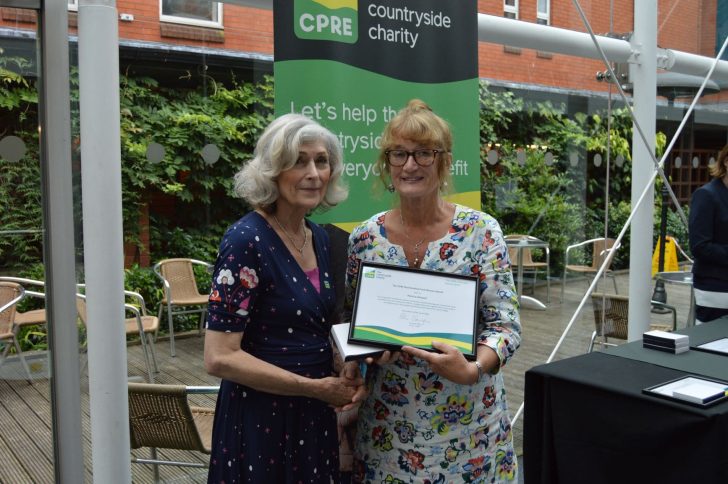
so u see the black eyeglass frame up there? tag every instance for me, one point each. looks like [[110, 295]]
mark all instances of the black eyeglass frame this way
[[413, 154]]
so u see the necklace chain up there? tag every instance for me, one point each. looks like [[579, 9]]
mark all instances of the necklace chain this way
[[417, 244], [305, 235]]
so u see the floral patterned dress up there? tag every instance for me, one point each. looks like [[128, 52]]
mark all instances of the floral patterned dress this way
[[416, 426], [258, 288]]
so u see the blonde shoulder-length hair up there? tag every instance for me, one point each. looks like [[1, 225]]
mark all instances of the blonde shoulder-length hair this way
[[277, 151]]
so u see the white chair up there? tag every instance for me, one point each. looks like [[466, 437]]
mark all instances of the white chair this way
[[600, 250], [140, 324]]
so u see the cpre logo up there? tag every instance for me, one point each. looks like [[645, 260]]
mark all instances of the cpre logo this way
[[333, 20]]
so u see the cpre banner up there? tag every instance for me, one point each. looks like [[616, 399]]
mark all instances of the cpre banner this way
[[351, 65]]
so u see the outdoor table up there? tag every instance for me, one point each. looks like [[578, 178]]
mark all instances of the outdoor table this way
[[520, 244], [587, 418], [685, 278]]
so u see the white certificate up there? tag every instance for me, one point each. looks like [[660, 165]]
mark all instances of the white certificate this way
[[396, 306]]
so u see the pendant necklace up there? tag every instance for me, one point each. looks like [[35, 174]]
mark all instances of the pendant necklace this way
[[305, 235], [417, 244]]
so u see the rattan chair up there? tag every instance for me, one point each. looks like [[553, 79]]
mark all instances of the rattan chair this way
[[33, 317], [10, 294], [600, 251], [140, 324], [180, 291], [528, 264], [160, 417], [611, 314]]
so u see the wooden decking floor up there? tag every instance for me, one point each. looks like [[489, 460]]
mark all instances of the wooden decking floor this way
[[26, 445]]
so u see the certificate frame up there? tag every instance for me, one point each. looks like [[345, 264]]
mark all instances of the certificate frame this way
[[657, 390], [427, 306], [702, 347]]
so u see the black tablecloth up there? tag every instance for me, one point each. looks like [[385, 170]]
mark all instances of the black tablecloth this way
[[587, 421]]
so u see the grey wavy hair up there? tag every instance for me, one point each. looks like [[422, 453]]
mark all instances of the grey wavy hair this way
[[277, 151]]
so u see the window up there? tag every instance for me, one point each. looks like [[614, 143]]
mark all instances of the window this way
[[510, 9], [543, 12], [191, 12], [73, 5]]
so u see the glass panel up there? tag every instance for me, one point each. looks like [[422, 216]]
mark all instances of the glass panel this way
[[26, 415], [193, 103]]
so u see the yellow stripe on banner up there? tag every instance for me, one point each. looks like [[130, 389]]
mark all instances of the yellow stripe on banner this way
[[418, 340], [469, 199], [334, 4]]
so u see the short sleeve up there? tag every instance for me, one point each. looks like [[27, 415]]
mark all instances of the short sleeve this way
[[235, 280], [499, 321]]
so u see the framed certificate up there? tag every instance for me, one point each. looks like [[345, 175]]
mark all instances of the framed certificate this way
[[396, 306], [718, 346], [692, 389]]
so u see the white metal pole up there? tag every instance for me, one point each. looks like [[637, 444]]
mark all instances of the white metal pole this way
[[98, 53], [644, 78]]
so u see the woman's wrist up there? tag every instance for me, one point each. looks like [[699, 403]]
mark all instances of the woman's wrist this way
[[478, 370]]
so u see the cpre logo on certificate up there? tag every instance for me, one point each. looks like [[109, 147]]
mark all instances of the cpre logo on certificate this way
[[396, 306]]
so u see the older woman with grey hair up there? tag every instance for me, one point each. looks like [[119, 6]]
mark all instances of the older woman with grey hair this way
[[270, 314]]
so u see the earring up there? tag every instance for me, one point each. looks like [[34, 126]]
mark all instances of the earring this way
[[390, 188]]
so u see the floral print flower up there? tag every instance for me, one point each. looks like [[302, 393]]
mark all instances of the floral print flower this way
[[382, 438], [489, 396], [457, 410], [394, 389], [225, 276], [447, 250], [427, 383], [380, 410], [248, 278], [505, 463], [476, 468], [479, 437], [411, 461], [404, 430]]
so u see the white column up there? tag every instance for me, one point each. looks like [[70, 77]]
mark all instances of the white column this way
[[98, 54], [644, 77]]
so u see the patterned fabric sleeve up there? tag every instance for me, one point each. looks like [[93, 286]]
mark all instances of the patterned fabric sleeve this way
[[235, 280], [359, 237], [500, 326]]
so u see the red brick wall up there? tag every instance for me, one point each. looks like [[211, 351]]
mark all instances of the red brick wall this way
[[688, 26]]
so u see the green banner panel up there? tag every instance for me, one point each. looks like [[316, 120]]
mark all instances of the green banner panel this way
[[352, 65]]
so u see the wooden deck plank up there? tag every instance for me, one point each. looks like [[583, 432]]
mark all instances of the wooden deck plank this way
[[35, 459]]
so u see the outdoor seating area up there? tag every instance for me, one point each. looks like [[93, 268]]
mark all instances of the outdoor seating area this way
[[25, 409]]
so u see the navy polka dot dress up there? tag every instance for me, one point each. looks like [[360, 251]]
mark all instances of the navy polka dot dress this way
[[258, 288]]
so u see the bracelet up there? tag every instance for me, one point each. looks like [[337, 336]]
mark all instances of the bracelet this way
[[480, 370]]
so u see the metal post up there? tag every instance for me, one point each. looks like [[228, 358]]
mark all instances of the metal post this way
[[98, 53], [644, 78]]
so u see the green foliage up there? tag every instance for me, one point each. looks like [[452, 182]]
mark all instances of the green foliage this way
[[20, 197], [182, 121], [518, 195], [568, 201]]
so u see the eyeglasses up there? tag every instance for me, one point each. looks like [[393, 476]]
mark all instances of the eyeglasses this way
[[422, 157]]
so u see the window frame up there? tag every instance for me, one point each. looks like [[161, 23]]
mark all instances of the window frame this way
[[216, 24], [511, 11], [543, 16]]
